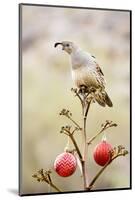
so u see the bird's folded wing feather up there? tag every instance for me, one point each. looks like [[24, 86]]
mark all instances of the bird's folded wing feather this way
[[100, 74], [99, 71]]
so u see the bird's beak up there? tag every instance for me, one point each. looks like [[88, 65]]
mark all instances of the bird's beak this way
[[59, 43]]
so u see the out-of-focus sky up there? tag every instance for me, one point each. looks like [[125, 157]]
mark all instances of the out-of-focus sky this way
[[46, 73]]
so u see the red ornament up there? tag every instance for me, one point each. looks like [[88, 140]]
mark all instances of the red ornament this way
[[102, 153], [65, 164]]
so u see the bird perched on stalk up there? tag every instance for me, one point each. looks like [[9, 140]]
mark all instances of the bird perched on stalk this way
[[86, 72]]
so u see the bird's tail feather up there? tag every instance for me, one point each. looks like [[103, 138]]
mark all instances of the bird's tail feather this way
[[103, 99], [108, 100]]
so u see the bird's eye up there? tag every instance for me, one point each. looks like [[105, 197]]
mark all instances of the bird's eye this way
[[67, 45]]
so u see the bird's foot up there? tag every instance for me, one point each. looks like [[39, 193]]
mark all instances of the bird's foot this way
[[91, 90], [83, 90]]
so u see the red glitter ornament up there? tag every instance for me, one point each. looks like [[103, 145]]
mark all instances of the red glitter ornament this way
[[102, 153], [65, 164]]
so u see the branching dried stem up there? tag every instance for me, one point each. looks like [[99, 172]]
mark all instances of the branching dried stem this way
[[115, 153], [74, 90], [105, 126], [42, 176], [85, 109], [68, 114], [86, 97], [67, 131]]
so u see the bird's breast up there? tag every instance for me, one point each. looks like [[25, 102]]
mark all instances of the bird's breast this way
[[84, 76]]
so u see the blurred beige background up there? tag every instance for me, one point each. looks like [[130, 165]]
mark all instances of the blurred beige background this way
[[47, 83]]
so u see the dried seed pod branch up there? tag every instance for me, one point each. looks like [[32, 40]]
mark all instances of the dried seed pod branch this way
[[67, 131], [42, 176], [76, 92], [104, 126], [86, 97], [68, 114], [115, 153]]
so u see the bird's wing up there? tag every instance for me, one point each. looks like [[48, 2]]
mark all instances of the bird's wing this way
[[98, 69], [100, 75]]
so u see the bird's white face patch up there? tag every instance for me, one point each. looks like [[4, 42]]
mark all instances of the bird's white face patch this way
[[68, 47]]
